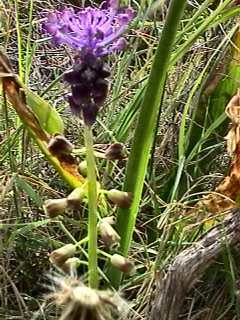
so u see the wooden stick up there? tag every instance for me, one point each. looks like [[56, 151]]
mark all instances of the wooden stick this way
[[190, 264]]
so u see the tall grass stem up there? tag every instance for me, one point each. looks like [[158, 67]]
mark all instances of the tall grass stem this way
[[144, 133]]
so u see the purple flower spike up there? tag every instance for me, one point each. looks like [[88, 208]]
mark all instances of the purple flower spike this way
[[95, 31]]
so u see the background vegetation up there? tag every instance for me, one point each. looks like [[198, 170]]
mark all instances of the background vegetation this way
[[187, 160]]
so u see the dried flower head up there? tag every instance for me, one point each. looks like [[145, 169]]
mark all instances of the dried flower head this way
[[123, 264], [75, 198], [58, 145], [70, 265], [116, 151], [83, 303], [110, 219], [121, 198]]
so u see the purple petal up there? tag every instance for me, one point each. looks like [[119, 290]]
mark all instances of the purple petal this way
[[90, 30]]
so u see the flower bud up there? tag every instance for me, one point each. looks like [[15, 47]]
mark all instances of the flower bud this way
[[83, 168], [120, 198], [108, 235], [74, 199], [89, 113], [59, 256], [73, 76], [81, 93], [122, 263], [55, 207], [100, 91], [88, 76], [59, 145], [71, 264], [116, 151], [104, 71], [75, 108]]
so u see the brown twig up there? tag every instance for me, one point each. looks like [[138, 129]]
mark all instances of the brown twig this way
[[190, 264]]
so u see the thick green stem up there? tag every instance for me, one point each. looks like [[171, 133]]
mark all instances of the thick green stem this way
[[143, 137], [92, 209]]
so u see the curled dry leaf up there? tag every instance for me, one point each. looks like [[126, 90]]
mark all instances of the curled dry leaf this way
[[233, 112], [17, 98], [14, 90], [228, 191]]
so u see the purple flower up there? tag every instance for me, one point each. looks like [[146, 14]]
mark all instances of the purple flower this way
[[95, 31]]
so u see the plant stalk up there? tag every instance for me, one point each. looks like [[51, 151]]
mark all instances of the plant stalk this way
[[144, 133], [92, 208]]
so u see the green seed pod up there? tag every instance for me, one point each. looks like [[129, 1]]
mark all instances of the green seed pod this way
[[83, 168]]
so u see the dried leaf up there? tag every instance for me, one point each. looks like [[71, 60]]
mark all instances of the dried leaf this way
[[227, 192], [64, 164]]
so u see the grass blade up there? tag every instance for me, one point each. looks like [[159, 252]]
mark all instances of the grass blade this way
[[143, 138]]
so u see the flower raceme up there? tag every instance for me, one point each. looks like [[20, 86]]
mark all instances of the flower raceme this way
[[93, 33]]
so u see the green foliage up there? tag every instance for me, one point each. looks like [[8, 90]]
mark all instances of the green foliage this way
[[48, 116], [23, 185], [173, 124]]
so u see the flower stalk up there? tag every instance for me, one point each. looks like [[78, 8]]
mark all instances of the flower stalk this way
[[92, 208], [93, 34]]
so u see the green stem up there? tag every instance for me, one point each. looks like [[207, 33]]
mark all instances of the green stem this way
[[143, 137], [92, 208]]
